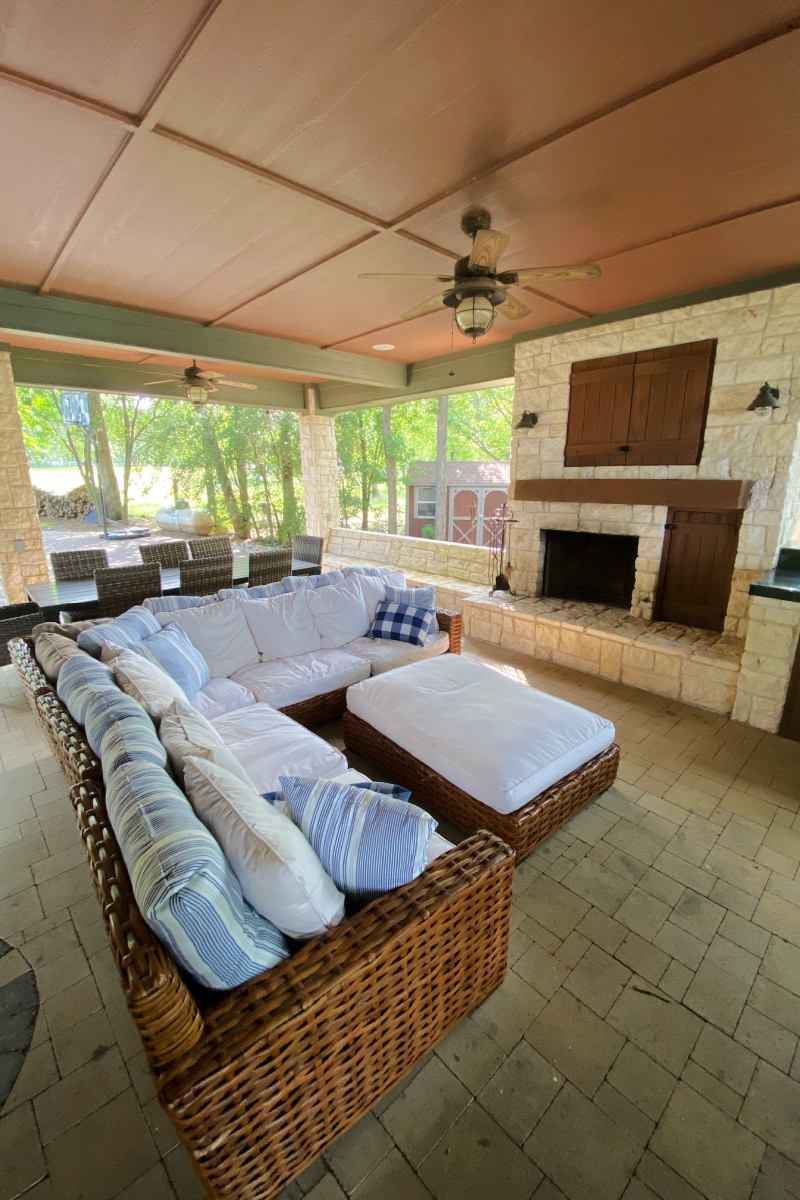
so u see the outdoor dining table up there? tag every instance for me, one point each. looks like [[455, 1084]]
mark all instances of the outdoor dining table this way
[[80, 594]]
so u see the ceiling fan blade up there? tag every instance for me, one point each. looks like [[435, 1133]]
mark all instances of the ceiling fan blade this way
[[172, 379], [212, 375], [512, 308], [426, 307], [404, 275], [487, 247], [540, 274], [223, 382]]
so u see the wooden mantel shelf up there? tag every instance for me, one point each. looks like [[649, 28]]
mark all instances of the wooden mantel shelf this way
[[674, 493]]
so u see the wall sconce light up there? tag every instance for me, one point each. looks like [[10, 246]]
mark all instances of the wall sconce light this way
[[767, 398], [527, 421]]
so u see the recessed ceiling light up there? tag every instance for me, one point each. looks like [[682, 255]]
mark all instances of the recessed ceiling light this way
[[383, 346]]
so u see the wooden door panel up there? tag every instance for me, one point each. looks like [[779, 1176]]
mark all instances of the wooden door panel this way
[[697, 567], [599, 409]]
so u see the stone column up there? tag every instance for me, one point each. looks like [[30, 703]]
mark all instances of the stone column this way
[[22, 557], [319, 465]]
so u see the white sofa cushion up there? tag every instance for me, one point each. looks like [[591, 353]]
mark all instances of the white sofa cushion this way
[[384, 654], [154, 689], [339, 612], [221, 634], [289, 680], [281, 626], [183, 732], [373, 588], [220, 696], [279, 873], [500, 741], [266, 743]]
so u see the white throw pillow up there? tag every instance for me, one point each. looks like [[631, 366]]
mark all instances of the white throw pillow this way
[[278, 871], [221, 634], [282, 626], [339, 613], [154, 689], [373, 588], [183, 732]]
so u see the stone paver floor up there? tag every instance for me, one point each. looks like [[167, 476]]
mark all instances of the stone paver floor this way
[[644, 1043]]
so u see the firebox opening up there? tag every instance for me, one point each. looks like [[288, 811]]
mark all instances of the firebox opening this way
[[596, 568]]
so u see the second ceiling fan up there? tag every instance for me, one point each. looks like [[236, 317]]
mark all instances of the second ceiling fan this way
[[476, 288], [199, 384]]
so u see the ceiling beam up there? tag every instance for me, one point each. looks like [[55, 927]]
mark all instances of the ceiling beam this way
[[464, 371], [48, 369], [86, 322]]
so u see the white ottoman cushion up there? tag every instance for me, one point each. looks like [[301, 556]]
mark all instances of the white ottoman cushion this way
[[498, 740]]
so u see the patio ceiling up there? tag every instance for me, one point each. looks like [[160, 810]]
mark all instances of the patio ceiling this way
[[237, 165]]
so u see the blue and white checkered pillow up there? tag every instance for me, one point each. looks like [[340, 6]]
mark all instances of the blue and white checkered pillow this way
[[403, 623], [421, 597], [367, 842], [171, 650], [125, 631], [184, 887]]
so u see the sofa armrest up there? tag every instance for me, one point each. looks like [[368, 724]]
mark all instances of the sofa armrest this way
[[450, 622], [293, 1058]]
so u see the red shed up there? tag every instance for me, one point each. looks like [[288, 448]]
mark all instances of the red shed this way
[[474, 491]]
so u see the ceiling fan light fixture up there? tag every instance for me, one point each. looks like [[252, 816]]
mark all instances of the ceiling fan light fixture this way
[[474, 315], [196, 393]]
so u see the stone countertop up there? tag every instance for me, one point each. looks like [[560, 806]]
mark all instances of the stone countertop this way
[[783, 581]]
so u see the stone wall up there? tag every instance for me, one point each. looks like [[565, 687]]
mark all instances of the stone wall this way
[[454, 560], [19, 522], [319, 466], [772, 637], [758, 338]]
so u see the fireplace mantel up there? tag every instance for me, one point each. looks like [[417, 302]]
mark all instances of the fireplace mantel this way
[[674, 493]]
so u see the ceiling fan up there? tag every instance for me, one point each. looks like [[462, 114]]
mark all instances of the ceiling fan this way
[[199, 384], [476, 288]]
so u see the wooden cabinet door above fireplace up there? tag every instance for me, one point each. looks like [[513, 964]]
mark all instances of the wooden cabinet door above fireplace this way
[[644, 409]]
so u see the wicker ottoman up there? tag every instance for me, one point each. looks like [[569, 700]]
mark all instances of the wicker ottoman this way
[[481, 749]]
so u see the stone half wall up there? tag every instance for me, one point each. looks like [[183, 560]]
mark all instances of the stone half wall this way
[[470, 564], [772, 637], [758, 338]]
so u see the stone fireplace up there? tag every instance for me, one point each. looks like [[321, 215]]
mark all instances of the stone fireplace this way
[[598, 568]]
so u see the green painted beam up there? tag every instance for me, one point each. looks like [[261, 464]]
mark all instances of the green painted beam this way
[[38, 368], [148, 333], [477, 367]]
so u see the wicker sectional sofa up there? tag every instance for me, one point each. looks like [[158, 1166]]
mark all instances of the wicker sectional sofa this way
[[260, 1079]]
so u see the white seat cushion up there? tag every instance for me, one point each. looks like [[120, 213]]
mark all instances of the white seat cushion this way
[[220, 696], [384, 654], [290, 680], [498, 740], [268, 744]]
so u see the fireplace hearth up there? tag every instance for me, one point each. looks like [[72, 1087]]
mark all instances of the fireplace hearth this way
[[595, 568]]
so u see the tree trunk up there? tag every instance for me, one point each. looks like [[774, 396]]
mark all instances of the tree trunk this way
[[105, 465], [268, 505], [244, 494], [366, 488], [391, 469], [288, 524], [210, 484], [212, 449], [441, 469]]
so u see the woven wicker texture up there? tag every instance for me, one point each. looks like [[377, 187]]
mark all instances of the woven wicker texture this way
[[15, 621], [206, 576], [269, 566], [451, 623], [118, 588], [74, 755], [31, 675], [211, 547], [69, 565], [166, 554], [309, 549], [524, 829]]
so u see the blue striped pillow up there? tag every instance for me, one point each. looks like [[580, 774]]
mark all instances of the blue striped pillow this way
[[293, 583], [79, 681], [262, 591], [367, 842], [161, 604], [171, 650], [125, 631], [130, 740], [402, 623], [183, 885]]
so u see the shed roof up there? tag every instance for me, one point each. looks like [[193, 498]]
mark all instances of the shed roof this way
[[466, 474]]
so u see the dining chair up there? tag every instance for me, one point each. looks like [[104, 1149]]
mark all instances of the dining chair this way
[[119, 588], [211, 547], [206, 576], [269, 566], [166, 554], [16, 620], [309, 549], [70, 566]]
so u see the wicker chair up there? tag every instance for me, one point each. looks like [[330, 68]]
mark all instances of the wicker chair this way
[[166, 554], [71, 565], [309, 549], [15, 621], [205, 577], [211, 547], [118, 588], [269, 566]]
